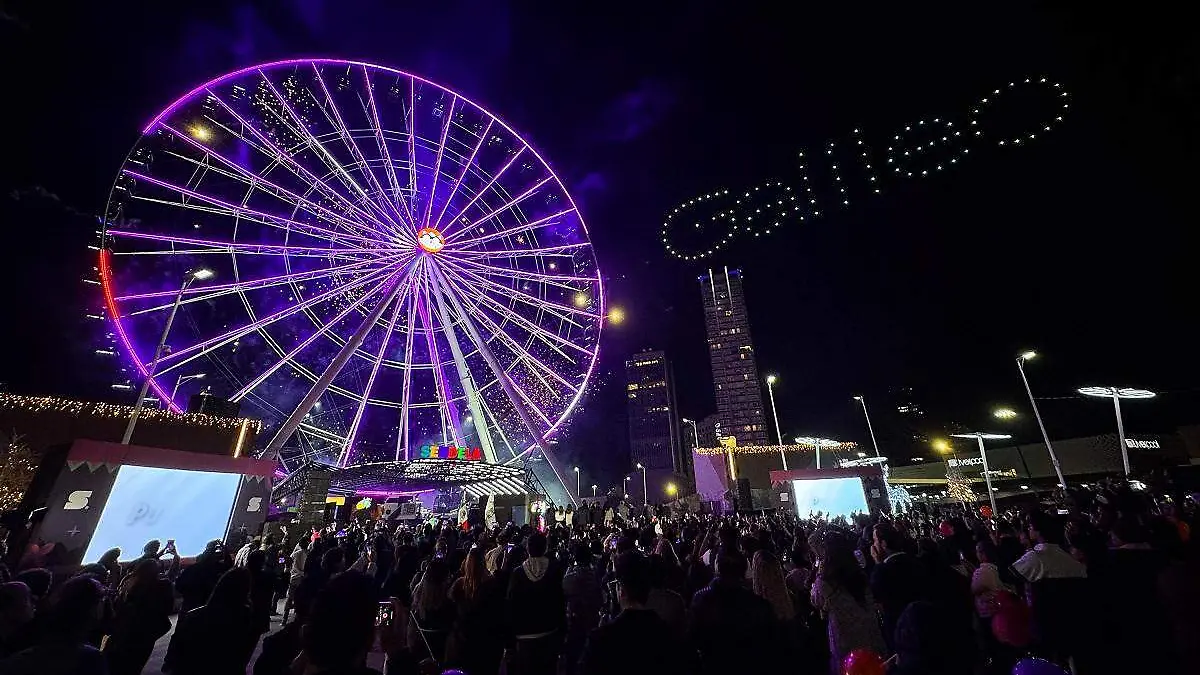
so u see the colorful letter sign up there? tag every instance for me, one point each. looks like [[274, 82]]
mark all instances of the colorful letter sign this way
[[450, 452]]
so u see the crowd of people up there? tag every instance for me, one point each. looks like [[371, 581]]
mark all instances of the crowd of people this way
[[1105, 581]]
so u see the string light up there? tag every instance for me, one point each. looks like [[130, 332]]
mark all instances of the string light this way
[[928, 147], [763, 449], [50, 404], [17, 467]]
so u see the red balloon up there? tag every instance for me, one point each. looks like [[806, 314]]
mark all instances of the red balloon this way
[[985, 511], [946, 528], [1011, 625], [863, 662]]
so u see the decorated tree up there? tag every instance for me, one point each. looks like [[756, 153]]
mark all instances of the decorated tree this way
[[958, 487], [17, 466]]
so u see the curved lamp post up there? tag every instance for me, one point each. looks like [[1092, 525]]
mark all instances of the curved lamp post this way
[[1116, 394], [1025, 356]]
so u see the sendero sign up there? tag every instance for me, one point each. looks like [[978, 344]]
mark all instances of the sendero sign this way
[[450, 452]]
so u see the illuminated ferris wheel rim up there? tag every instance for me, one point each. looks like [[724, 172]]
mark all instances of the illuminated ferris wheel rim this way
[[420, 245]]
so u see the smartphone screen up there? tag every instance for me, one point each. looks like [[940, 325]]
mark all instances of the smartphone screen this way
[[383, 616]]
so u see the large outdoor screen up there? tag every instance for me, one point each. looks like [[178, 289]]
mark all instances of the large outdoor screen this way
[[831, 497], [191, 507]]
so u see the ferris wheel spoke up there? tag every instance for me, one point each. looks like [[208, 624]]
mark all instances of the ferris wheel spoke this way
[[217, 291], [563, 281], [511, 203], [447, 409], [297, 126], [291, 355], [547, 252], [437, 162], [548, 337], [410, 122], [519, 229], [501, 373], [228, 208], [516, 347], [437, 224], [230, 336], [402, 433], [219, 246], [347, 137], [377, 129], [285, 159], [539, 304], [256, 181], [366, 393], [461, 213]]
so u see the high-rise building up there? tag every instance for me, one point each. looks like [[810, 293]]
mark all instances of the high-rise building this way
[[731, 352], [653, 423]]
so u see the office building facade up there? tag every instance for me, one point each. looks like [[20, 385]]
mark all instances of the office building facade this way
[[731, 352], [654, 439]]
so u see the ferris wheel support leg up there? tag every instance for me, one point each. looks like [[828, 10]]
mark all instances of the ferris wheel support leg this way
[[293, 421], [505, 383], [464, 375]]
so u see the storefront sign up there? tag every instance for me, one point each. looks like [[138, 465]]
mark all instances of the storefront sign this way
[[1141, 445], [450, 452], [970, 461]]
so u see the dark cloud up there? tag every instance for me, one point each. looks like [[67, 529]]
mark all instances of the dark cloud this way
[[638, 111]]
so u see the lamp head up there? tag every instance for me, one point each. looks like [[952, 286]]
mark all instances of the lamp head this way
[[576, 469], [641, 467], [858, 398], [1025, 356], [1004, 413], [771, 379], [201, 274]]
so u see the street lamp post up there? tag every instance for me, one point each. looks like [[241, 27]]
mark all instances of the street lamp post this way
[[695, 432], [625, 487], [645, 488], [987, 473], [817, 443], [870, 428], [1116, 394], [1025, 356], [193, 275], [577, 490], [184, 378], [771, 394], [594, 491]]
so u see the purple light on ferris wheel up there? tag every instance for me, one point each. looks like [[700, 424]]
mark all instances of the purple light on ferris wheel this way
[[306, 184]]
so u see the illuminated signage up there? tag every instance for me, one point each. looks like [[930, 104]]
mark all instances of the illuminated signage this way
[[450, 452], [1142, 445], [970, 461]]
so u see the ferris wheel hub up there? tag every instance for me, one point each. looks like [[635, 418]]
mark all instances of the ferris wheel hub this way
[[430, 240]]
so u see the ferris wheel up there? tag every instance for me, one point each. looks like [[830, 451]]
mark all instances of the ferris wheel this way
[[367, 260]]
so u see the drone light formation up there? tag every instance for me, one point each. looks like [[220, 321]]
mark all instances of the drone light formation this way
[[852, 169]]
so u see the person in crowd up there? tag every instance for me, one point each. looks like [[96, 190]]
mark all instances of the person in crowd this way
[[767, 581], [38, 580], [636, 642], [142, 609], [920, 643], [1135, 632], [299, 559], [536, 610], [581, 589], [1047, 559], [218, 637], [666, 580], [280, 649], [493, 557], [476, 642], [262, 590], [898, 578], [986, 584], [842, 595], [341, 631], [196, 583], [72, 614], [17, 627], [109, 560], [243, 554], [733, 629], [433, 612]]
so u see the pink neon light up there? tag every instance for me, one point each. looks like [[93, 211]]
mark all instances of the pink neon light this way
[[412, 78], [390, 493], [110, 303]]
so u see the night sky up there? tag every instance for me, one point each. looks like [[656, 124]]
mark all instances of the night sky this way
[[1075, 245]]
